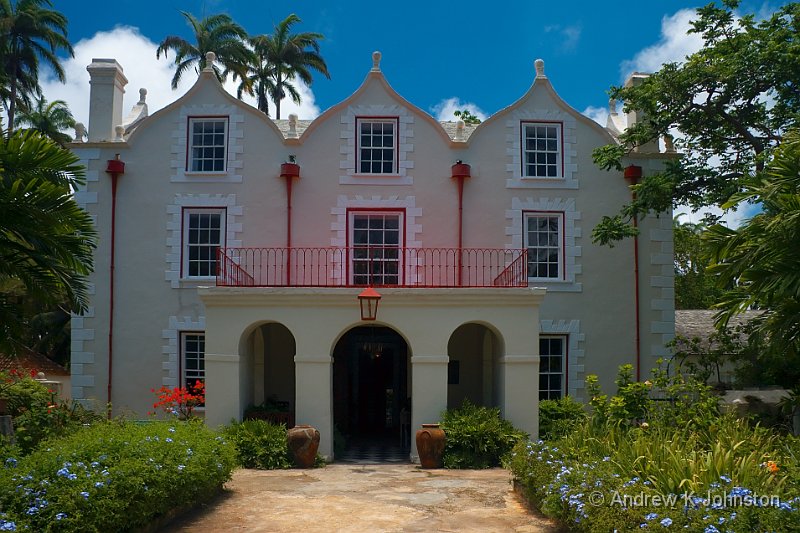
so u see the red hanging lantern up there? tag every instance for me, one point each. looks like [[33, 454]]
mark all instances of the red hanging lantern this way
[[368, 300]]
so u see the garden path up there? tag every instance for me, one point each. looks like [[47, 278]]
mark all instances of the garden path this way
[[365, 498]]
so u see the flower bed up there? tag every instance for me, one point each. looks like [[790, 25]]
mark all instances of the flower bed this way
[[112, 477]]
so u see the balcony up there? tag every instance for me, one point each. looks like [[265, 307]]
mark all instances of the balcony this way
[[379, 266]]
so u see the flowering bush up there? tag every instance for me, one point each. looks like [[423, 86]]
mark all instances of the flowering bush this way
[[181, 401], [640, 463], [112, 477]]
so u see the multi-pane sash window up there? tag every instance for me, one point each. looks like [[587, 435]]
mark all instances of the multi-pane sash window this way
[[204, 234], [541, 150], [207, 144], [194, 367], [376, 248], [543, 240], [551, 367], [376, 146]]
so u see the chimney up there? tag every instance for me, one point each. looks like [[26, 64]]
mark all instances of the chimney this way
[[637, 78], [105, 101]]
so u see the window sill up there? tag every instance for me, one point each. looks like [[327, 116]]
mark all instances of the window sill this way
[[556, 285], [198, 282], [541, 183]]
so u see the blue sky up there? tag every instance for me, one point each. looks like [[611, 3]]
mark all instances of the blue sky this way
[[476, 52]]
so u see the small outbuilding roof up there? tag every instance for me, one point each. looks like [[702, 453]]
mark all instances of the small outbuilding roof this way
[[30, 361]]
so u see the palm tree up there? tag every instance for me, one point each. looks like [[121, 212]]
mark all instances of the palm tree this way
[[46, 239], [49, 119], [259, 82], [218, 34], [291, 55], [29, 32]]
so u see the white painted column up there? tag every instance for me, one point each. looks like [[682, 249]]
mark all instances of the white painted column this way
[[428, 393], [314, 397], [223, 400], [520, 392]]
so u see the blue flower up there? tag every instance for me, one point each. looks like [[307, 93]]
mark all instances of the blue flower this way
[[650, 516], [99, 484], [171, 430], [61, 516], [32, 511], [85, 495], [711, 529], [168, 439], [666, 522], [181, 467], [11, 462], [7, 525], [726, 479]]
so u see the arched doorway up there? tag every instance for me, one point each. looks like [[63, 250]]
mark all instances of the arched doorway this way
[[371, 395], [269, 351], [473, 373]]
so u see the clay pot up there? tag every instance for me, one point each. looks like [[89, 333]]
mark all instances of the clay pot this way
[[430, 445], [303, 443]]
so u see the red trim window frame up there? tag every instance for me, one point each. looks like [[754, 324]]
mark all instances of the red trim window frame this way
[[187, 210], [351, 212], [395, 144], [564, 364], [562, 269], [560, 142], [219, 118], [182, 382]]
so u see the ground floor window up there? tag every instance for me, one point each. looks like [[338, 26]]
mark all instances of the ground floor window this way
[[552, 353], [194, 348]]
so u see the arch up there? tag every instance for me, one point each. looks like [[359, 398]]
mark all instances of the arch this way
[[371, 389], [267, 349], [376, 323], [474, 350]]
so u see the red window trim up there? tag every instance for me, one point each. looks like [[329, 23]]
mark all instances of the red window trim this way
[[357, 167], [562, 214], [224, 234], [189, 144], [522, 124], [377, 210]]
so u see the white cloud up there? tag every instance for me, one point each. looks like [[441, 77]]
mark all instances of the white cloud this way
[[571, 35], [137, 55], [443, 111], [598, 114], [674, 45]]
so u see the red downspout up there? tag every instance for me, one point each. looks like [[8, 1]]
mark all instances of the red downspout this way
[[632, 175], [289, 171], [116, 168], [460, 171]]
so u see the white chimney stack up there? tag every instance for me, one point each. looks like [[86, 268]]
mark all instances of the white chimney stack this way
[[105, 101], [637, 78]]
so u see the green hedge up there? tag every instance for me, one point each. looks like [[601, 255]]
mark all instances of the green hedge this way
[[113, 476], [259, 444]]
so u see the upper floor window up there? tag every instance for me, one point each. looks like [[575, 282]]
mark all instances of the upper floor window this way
[[541, 149], [376, 239], [543, 239], [203, 235], [552, 352], [377, 145], [208, 139]]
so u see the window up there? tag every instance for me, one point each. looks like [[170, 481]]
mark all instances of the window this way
[[203, 235], [541, 150], [543, 240], [207, 144], [376, 145], [551, 367], [194, 367], [376, 248]]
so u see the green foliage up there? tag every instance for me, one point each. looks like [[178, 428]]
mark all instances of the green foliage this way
[[477, 437], [48, 118], [717, 99], [694, 287], [559, 417], [259, 444], [466, 116], [662, 457], [761, 259], [114, 476]]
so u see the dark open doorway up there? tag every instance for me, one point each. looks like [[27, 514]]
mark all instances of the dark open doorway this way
[[371, 408]]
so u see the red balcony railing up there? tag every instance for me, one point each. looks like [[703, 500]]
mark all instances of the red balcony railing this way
[[380, 266]]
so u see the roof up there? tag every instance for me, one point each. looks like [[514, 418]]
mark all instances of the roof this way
[[28, 361], [691, 323]]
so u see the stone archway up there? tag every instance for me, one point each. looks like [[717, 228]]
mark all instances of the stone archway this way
[[474, 353], [268, 352]]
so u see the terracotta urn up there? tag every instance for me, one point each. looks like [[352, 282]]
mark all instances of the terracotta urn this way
[[303, 443], [430, 445]]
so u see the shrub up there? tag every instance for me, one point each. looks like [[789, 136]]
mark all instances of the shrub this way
[[477, 437], [558, 417], [113, 476], [259, 444]]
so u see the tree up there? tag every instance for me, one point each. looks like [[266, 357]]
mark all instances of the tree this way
[[466, 116], [694, 287], [290, 56], [49, 119], [761, 259], [731, 102], [29, 32], [216, 33], [260, 79], [46, 239]]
